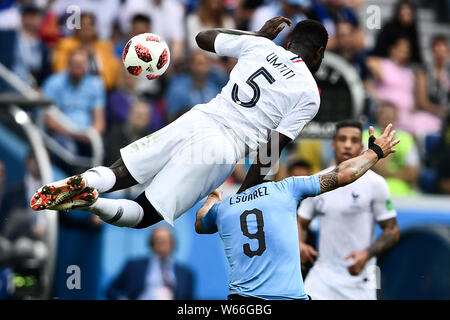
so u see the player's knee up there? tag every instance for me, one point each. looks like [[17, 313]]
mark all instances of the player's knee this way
[[151, 216]]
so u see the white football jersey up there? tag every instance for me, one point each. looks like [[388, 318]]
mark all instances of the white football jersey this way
[[270, 88], [347, 218]]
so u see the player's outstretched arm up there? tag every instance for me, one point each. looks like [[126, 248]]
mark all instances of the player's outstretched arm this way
[[350, 170], [212, 198], [205, 39]]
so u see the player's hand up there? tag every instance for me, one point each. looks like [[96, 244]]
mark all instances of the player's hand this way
[[273, 27], [216, 195], [386, 141], [360, 259], [307, 253]]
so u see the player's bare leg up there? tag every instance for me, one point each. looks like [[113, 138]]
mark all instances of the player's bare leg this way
[[67, 193]]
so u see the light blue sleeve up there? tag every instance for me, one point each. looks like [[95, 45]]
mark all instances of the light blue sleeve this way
[[99, 93], [209, 220], [51, 88], [303, 187]]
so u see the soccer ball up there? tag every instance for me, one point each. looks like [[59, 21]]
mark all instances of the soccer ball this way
[[146, 56]]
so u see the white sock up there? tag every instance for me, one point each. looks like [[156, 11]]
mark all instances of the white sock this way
[[100, 178], [118, 212]]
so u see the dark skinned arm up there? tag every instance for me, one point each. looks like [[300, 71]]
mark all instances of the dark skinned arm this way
[[205, 39], [307, 253], [387, 239], [264, 160]]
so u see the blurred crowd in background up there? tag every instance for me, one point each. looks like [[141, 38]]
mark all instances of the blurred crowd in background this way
[[80, 70]]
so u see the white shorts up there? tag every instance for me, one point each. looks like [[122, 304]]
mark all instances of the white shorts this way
[[322, 283], [182, 163]]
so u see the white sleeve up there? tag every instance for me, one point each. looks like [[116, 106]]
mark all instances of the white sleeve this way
[[382, 204], [293, 123], [307, 209], [234, 46]]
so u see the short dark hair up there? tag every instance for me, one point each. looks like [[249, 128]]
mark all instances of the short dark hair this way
[[310, 35], [438, 38], [298, 163], [140, 18], [89, 14], [348, 123], [31, 8]]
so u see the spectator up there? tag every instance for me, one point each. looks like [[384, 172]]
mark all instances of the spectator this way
[[105, 12], [80, 97], [330, 13], [402, 25], [2, 186], [136, 127], [155, 278], [199, 85], [20, 220], [244, 12], [292, 9], [395, 82], [122, 98], [401, 170], [102, 60], [140, 23], [31, 59], [433, 88], [209, 14], [443, 171], [347, 48], [437, 81], [167, 21], [299, 168]]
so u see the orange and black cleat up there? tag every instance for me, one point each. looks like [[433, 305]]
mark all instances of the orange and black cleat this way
[[54, 193]]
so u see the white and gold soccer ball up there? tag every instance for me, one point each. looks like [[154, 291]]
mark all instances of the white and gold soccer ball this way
[[146, 56]]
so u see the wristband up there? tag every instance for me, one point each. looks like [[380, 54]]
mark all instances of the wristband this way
[[375, 147]]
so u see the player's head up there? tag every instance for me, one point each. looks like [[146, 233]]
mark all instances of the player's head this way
[[309, 40], [347, 142], [162, 242], [299, 168]]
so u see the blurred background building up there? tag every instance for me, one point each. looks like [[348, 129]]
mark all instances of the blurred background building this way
[[66, 104]]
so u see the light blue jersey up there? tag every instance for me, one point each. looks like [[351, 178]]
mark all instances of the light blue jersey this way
[[259, 231]]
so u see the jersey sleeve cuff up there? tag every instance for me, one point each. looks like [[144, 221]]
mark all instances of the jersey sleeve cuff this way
[[387, 215], [286, 133], [207, 225]]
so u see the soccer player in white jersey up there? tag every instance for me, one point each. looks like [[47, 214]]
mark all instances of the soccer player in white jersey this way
[[270, 96], [345, 267]]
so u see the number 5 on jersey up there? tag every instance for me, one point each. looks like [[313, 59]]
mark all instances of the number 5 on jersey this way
[[256, 90]]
